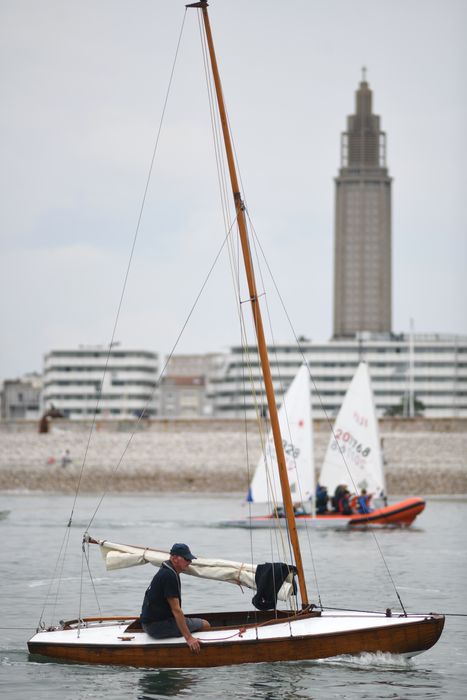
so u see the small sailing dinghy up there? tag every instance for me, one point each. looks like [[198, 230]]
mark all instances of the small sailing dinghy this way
[[353, 454], [297, 441], [297, 633]]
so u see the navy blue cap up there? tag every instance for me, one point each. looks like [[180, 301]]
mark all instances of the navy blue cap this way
[[182, 550]]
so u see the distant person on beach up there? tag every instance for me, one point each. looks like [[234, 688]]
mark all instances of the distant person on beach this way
[[66, 458], [162, 615]]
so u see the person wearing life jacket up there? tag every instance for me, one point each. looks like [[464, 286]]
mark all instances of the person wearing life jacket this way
[[344, 503], [321, 499], [338, 493], [363, 502]]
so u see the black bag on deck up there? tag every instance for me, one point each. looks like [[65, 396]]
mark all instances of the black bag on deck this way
[[269, 579]]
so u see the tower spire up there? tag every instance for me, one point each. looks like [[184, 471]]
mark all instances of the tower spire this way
[[362, 268]]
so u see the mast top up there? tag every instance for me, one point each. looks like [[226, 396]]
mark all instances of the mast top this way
[[202, 4]]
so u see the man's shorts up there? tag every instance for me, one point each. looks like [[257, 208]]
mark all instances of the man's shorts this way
[[169, 628]]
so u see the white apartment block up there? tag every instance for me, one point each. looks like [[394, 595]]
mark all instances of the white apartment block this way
[[116, 384], [438, 377]]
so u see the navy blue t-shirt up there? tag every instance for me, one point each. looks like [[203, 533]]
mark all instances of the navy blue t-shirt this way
[[165, 584]]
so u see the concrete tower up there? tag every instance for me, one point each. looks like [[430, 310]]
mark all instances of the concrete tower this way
[[362, 244]]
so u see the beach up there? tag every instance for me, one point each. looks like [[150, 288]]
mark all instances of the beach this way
[[422, 457]]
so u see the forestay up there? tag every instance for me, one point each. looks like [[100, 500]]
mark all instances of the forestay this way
[[297, 438], [121, 556], [356, 440]]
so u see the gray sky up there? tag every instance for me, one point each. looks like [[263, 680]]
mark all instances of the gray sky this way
[[83, 85]]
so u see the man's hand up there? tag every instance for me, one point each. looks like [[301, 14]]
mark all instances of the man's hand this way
[[194, 645]]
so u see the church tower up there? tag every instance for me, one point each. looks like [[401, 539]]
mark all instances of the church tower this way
[[362, 242]]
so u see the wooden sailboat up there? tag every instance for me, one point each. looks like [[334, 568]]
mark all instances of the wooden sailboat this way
[[303, 632], [353, 456]]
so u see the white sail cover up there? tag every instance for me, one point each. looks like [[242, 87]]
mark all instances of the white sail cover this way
[[121, 556], [297, 437], [356, 435]]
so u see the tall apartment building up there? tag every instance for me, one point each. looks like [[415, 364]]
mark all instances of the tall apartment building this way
[[77, 382], [362, 242], [438, 376]]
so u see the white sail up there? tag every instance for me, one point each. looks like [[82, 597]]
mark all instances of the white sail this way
[[355, 440], [296, 431], [122, 556]]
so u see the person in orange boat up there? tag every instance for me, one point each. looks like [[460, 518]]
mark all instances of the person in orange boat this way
[[338, 493], [162, 615], [344, 503], [363, 502], [321, 499]]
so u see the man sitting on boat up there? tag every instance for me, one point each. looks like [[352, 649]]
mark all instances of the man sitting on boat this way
[[162, 615]]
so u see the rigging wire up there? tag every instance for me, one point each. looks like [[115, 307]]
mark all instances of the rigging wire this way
[[81, 590], [86, 556], [169, 357], [283, 392], [215, 130], [284, 405], [325, 412], [228, 225], [234, 256], [271, 486], [66, 536], [130, 259], [64, 546], [274, 488]]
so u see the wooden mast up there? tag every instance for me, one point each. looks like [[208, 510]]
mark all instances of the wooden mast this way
[[262, 346]]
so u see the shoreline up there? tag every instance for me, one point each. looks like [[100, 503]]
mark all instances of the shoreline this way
[[413, 482], [210, 456], [193, 495]]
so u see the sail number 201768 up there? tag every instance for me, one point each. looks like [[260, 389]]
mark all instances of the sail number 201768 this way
[[349, 441]]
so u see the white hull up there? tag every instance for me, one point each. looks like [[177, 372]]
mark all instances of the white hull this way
[[273, 523]]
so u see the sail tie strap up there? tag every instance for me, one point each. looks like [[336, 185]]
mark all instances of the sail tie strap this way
[[239, 575]]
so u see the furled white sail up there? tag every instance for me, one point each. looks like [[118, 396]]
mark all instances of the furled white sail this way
[[355, 440], [121, 556], [296, 431]]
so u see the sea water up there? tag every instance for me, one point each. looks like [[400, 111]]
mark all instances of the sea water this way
[[426, 563]]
